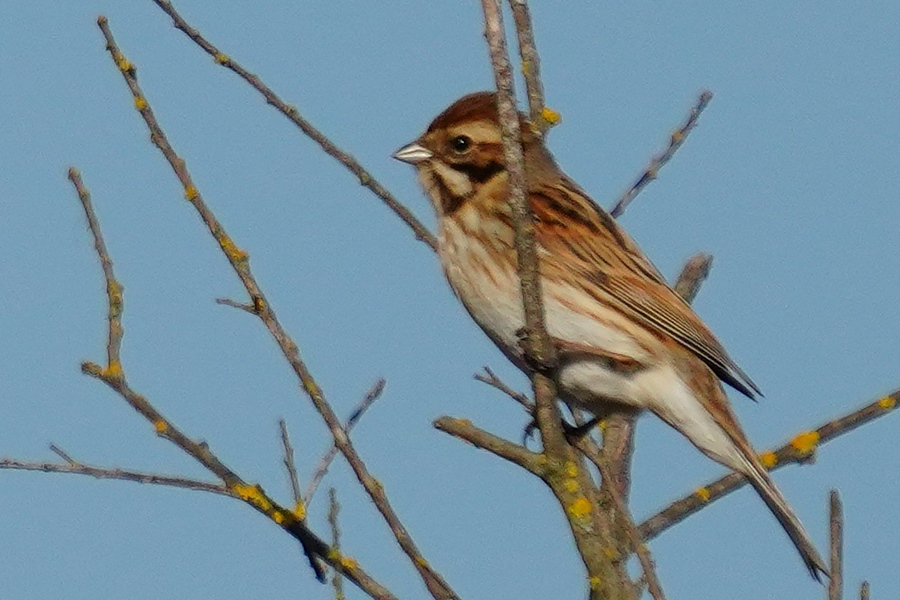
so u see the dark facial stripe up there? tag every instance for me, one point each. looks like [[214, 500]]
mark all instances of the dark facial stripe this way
[[450, 203], [478, 173]]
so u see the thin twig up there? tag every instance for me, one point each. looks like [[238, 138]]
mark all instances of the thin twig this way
[[239, 261], [659, 161], [799, 450], [62, 454], [325, 463], [337, 581], [531, 67], [836, 544], [289, 464], [490, 378], [693, 274], [77, 468], [351, 164], [249, 308], [485, 440]]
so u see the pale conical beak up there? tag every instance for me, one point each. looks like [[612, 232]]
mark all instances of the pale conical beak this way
[[413, 153]]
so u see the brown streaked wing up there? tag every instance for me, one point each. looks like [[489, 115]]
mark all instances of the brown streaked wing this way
[[609, 266]]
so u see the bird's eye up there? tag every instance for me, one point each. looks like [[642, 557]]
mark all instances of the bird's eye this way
[[461, 143]]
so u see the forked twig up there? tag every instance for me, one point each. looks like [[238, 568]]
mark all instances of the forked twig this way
[[322, 469], [490, 378], [113, 375], [239, 261]]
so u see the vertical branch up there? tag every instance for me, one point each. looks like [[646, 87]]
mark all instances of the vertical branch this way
[[640, 548], [537, 343], [864, 591], [836, 543], [541, 118], [289, 464], [337, 581], [114, 289], [565, 474]]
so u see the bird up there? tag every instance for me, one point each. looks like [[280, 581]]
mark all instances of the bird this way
[[625, 339]]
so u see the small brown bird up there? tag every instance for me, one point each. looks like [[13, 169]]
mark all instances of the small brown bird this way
[[624, 336]]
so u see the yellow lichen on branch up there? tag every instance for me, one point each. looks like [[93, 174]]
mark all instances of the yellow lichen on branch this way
[[551, 116], [806, 442], [580, 508], [768, 459]]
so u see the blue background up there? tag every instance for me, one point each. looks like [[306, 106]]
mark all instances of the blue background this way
[[791, 181]]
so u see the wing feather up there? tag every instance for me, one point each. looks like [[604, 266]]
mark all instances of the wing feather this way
[[580, 236]]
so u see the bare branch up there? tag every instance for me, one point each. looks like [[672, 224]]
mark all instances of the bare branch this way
[[659, 161], [249, 308], [113, 375], [289, 464], [799, 450], [693, 274], [337, 581], [566, 475], [640, 548], [541, 117], [351, 164], [239, 261], [836, 544], [490, 378], [62, 454], [325, 463], [78, 468], [505, 449]]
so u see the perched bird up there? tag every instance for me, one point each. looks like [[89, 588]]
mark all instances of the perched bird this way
[[623, 336]]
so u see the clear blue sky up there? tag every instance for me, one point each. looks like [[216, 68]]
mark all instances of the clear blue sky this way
[[791, 181]]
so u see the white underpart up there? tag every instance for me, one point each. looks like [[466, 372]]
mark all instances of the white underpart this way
[[494, 301]]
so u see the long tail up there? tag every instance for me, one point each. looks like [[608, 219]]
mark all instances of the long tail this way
[[761, 481]]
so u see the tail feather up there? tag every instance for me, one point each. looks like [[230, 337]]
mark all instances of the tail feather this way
[[762, 482]]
